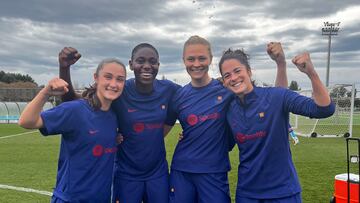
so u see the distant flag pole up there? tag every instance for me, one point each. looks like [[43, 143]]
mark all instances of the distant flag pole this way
[[329, 29]]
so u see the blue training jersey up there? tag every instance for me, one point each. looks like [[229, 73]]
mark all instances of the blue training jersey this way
[[142, 154], [260, 127], [87, 151], [202, 114]]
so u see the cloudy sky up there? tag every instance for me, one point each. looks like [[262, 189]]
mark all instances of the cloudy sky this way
[[33, 32]]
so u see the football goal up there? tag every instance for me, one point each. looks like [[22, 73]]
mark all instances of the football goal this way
[[338, 125]]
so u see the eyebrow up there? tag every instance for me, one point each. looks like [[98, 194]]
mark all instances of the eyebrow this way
[[235, 69], [108, 73]]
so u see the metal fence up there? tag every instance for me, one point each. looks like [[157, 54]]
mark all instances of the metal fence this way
[[10, 111], [18, 94]]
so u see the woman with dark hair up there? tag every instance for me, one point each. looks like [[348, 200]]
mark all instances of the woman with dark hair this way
[[141, 169], [88, 129], [259, 121]]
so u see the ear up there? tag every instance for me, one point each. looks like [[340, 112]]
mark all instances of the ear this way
[[95, 77], [130, 65], [250, 73]]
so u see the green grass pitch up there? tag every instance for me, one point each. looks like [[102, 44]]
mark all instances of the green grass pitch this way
[[30, 161]]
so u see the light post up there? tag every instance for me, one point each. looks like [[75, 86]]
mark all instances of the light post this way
[[329, 29]]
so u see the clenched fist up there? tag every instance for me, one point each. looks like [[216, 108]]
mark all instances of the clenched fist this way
[[68, 56], [275, 51], [303, 63], [56, 87]]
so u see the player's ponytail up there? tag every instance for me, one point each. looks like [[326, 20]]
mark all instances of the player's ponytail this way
[[90, 95]]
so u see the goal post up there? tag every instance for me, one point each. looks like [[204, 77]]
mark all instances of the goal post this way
[[339, 124]]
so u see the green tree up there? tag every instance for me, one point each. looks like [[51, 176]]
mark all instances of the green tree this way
[[294, 86], [339, 92], [348, 94], [15, 77]]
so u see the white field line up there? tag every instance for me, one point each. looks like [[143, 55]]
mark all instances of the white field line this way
[[18, 134], [23, 189]]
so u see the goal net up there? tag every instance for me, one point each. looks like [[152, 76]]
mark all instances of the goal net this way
[[338, 125]]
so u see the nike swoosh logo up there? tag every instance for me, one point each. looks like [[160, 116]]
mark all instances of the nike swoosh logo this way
[[184, 106], [93, 132]]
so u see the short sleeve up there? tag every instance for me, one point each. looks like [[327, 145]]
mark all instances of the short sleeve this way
[[58, 120]]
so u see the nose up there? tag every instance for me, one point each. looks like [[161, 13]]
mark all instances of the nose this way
[[196, 63], [232, 77], [147, 65], [113, 83]]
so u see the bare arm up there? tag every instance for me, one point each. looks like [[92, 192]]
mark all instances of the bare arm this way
[[276, 53], [67, 57], [30, 118], [320, 93]]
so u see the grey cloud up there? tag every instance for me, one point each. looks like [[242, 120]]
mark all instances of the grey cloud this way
[[33, 32], [80, 11], [295, 9]]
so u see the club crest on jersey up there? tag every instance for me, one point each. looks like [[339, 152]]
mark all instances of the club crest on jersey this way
[[163, 107], [218, 99], [262, 114]]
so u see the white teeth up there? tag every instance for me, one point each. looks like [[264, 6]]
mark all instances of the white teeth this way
[[237, 84], [109, 89], [197, 69], [146, 74]]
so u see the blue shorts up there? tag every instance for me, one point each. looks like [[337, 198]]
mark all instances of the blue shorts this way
[[56, 200], [199, 187], [149, 191], [291, 199]]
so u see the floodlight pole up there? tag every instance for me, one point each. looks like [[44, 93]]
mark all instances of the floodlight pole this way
[[329, 29]]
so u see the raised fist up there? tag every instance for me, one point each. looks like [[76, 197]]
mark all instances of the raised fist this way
[[56, 87], [303, 63], [275, 51], [68, 56]]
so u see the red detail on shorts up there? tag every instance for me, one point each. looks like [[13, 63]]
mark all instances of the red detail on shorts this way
[[138, 127], [192, 119], [98, 150]]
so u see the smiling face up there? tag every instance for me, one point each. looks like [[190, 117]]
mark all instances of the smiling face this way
[[110, 82], [237, 77], [145, 64], [197, 60]]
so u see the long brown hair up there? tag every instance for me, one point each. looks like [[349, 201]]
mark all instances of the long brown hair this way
[[90, 92]]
